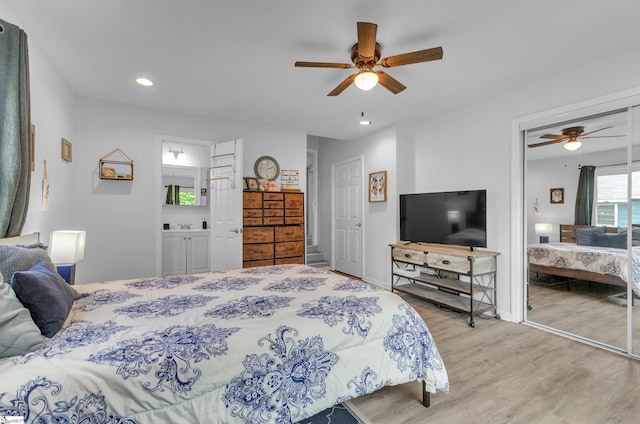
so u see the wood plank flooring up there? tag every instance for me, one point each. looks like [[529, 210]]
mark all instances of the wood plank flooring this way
[[501, 372]]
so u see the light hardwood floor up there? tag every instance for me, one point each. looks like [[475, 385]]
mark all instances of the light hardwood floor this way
[[502, 372]]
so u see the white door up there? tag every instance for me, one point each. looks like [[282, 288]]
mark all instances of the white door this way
[[347, 217], [226, 205]]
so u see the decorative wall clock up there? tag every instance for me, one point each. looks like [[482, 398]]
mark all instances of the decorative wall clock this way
[[267, 168]]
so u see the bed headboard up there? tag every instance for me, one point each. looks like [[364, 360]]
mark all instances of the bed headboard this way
[[568, 235], [25, 239]]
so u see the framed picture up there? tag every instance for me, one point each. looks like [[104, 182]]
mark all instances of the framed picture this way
[[66, 150], [244, 184], [252, 183], [378, 186], [556, 195]]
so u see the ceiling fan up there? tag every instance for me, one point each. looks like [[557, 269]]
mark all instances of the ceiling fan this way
[[365, 55], [572, 135]]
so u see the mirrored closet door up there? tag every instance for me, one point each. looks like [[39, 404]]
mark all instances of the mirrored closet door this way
[[579, 229]]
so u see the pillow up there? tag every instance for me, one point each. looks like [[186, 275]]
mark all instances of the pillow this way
[[635, 235], [618, 241], [18, 333], [47, 296], [585, 236], [20, 258]]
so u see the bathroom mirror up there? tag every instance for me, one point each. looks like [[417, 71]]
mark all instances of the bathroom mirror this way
[[183, 186]]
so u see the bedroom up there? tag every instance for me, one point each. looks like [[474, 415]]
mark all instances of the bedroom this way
[[438, 151]]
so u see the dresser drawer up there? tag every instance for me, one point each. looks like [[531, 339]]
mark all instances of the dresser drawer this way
[[289, 233], [294, 212], [289, 249], [295, 260], [293, 220], [251, 252], [274, 212], [252, 213], [250, 264], [272, 204], [294, 200], [457, 264], [257, 235], [273, 196], [251, 200], [248, 222], [273, 220], [410, 255]]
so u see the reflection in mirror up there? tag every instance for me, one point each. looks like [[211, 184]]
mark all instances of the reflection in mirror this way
[[567, 289], [180, 185]]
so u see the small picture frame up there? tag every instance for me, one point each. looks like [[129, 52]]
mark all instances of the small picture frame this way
[[66, 149], [244, 184], [556, 196], [378, 186], [252, 183]]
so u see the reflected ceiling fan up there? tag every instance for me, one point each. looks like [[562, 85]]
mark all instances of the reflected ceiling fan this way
[[365, 55], [572, 135]]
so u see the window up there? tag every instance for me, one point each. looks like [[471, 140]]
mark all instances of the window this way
[[611, 196]]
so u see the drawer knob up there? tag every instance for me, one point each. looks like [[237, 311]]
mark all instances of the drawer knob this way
[[446, 262], [407, 255]]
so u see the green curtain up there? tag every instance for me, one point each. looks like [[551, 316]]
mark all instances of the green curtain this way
[[584, 197], [15, 129]]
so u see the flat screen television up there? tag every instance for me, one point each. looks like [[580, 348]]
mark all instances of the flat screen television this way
[[453, 217]]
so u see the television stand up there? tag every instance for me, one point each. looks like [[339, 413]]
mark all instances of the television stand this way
[[453, 277]]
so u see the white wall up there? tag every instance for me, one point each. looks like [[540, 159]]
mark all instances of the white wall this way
[[379, 154], [120, 216], [53, 114], [471, 147]]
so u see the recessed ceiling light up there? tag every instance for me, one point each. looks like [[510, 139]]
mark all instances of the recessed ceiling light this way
[[144, 81]]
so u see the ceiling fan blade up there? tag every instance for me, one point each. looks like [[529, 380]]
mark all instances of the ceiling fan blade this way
[[545, 143], [591, 132], [390, 83], [603, 136], [552, 136], [367, 39], [344, 84], [323, 65], [414, 57]]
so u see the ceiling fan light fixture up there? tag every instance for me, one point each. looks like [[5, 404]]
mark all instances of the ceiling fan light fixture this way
[[573, 144], [366, 80]]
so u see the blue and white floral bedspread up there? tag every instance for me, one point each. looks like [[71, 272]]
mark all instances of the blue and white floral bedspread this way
[[260, 345], [601, 260]]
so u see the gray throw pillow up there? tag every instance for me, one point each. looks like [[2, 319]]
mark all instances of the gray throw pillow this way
[[18, 333], [618, 241], [586, 236], [20, 258]]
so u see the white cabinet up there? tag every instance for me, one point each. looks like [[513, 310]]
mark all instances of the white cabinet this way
[[185, 252]]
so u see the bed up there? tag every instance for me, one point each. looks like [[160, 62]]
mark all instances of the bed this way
[[270, 344], [599, 263]]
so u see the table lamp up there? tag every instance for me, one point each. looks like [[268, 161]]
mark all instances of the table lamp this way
[[66, 248], [544, 231]]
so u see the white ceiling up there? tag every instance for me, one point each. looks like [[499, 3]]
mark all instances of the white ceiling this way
[[234, 59]]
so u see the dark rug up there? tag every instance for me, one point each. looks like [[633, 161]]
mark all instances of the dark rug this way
[[342, 413]]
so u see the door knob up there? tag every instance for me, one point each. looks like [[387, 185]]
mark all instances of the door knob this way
[[235, 230], [358, 224]]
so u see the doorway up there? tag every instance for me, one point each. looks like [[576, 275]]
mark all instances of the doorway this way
[[347, 223]]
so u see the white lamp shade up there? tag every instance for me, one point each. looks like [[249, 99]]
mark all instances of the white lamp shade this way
[[366, 80], [543, 230], [67, 247]]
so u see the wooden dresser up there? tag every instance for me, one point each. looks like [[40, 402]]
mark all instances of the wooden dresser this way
[[273, 230]]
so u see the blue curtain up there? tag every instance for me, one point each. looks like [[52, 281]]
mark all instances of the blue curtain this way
[[584, 197], [15, 129]]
